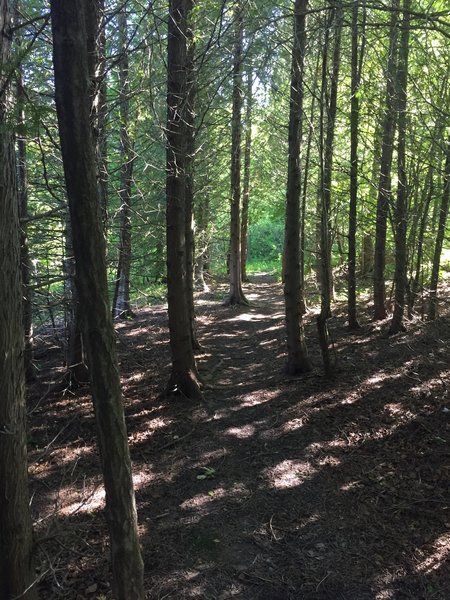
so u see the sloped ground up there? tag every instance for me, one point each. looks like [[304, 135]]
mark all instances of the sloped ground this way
[[272, 489]]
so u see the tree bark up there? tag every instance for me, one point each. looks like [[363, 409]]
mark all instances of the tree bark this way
[[16, 543], [401, 207], [297, 360], [73, 102], [184, 377], [236, 295], [384, 186]]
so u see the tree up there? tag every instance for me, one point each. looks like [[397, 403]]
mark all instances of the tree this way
[[236, 295], [356, 67], [384, 185], [402, 185], [297, 361], [246, 182], [73, 101], [17, 578], [184, 378], [121, 302]]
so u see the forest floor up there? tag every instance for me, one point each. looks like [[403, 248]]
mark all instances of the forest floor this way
[[273, 488]]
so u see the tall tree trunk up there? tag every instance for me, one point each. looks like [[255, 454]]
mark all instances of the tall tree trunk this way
[[297, 361], [246, 182], [73, 101], [357, 61], [384, 186], [22, 175], [184, 377], [121, 304], [443, 214], [191, 77], [401, 207], [326, 274], [236, 295], [16, 544]]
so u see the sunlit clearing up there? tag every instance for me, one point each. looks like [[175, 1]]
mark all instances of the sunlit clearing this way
[[440, 551], [289, 473]]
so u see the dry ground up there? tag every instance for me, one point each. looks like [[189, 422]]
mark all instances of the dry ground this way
[[272, 489]]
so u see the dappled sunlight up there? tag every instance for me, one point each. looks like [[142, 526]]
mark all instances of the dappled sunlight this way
[[243, 432], [289, 473], [434, 554]]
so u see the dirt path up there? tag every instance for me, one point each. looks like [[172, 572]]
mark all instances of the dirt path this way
[[274, 488]]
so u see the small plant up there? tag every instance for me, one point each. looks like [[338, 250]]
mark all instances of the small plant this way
[[208, 473]]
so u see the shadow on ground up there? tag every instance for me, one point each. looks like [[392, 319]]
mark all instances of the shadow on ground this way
[[272, 489]]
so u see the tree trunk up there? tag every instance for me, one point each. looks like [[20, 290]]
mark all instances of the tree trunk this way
[[184, 377], [401, 207], [443, 214], [22, 175], [326, 274], [357, 60], [236, 295], [191, 91], [246, 182], [16, 543], [297, 361], [73, 101], [384, 186], [121, 304], [201, 246]]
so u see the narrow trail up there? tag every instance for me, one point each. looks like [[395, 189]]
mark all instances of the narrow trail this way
[[274, 488]]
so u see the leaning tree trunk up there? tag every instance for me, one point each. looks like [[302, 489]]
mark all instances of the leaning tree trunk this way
[[357, 60], [184, 377], [401, 207], [121, 303], [236, 295], [384, 186], [16, 543], [246, 182], [443, 214], [297, 360], [73, 101]]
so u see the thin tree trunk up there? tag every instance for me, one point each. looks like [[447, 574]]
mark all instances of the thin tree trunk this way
[[73, 101], [246, 181], [236, 295], [401, 207], [22, 184], [184, 377], [202, 212], [121, 304], [297, 360], [16, 544], [384, 186], [357, 61], [443, 214], [191, 76], [326, 275]]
